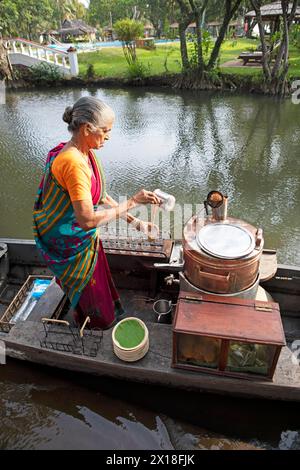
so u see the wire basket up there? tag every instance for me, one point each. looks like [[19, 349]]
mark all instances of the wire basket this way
[[5, 321], [60, 336]]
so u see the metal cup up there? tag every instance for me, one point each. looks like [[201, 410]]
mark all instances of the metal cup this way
[[220, 213], [219, 207], [163, 310]]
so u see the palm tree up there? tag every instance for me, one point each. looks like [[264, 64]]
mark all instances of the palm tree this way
[[71, 9]]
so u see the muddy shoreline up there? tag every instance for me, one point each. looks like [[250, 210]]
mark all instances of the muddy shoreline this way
[[224, 82]]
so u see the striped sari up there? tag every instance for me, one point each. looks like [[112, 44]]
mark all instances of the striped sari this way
[[76, 257]]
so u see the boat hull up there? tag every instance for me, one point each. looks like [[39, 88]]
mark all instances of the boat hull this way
[[24, 340]]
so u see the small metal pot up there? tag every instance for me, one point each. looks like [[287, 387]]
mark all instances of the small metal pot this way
[[163, 311]]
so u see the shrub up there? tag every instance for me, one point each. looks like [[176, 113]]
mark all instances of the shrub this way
[[207, 44], [45, 73], [128, 31], [90, 73], [138, 70]]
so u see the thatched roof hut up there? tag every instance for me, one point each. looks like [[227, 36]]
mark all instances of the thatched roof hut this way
[[271, 11], [76, 28]]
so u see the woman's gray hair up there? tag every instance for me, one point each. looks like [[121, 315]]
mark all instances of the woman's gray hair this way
[[88, 110]]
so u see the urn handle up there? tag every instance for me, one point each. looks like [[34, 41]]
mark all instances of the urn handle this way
[[259, 239], [220, 278]]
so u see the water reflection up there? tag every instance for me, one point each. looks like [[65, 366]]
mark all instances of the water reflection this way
[[40, 409], [184, 142], [45, 409]]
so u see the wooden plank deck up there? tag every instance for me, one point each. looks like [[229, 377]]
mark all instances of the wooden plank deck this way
[[23, 342]]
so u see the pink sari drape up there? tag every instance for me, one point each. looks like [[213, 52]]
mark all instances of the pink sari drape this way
[[99, 299]]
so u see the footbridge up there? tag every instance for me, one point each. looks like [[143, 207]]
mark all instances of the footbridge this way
[[28, 53]]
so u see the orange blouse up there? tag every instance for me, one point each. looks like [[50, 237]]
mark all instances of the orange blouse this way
[[73, 173]]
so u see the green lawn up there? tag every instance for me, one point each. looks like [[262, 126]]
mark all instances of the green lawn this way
[[294, 70], [110, 62]]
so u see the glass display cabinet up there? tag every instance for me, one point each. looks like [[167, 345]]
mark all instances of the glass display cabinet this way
[[227, 336]]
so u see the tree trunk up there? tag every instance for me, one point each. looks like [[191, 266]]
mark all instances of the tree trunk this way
[[229, 13], [251, 27], [199, 44], [276, 75], [265, 54], [183, 45], [186, 17], [281, 67], [6, 72], [199, 15], [275, 25], [156, 25], [283, 46]]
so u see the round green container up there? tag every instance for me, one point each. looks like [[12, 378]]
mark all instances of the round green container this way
[[130, 339]]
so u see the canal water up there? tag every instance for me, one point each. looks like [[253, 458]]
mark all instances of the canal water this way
[[186, 144]]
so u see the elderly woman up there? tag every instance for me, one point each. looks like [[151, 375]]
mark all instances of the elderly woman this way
[[66, 216]]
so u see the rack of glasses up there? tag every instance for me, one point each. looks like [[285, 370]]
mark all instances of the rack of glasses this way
[[127, 242]]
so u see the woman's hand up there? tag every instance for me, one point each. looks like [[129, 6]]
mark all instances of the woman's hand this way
[[149, 229], [145, 197]]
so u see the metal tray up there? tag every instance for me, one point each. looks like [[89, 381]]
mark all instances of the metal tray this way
[[227, 241]]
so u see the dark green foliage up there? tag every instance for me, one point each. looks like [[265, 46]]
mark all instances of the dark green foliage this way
[[90, 73], [44, 73], [295, 35], [138, 70]]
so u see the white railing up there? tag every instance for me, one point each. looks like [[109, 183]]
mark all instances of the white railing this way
[[24, 52], [55, 41]]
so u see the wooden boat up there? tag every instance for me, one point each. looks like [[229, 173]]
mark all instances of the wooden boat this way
[[140, 280]]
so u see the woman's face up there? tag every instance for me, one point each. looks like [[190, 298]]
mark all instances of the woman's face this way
[[96, 140]]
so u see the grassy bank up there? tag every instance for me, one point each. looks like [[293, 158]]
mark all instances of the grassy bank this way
[[110, 62]]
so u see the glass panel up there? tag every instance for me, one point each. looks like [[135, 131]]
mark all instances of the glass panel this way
[[198, 350], [250, 358]]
